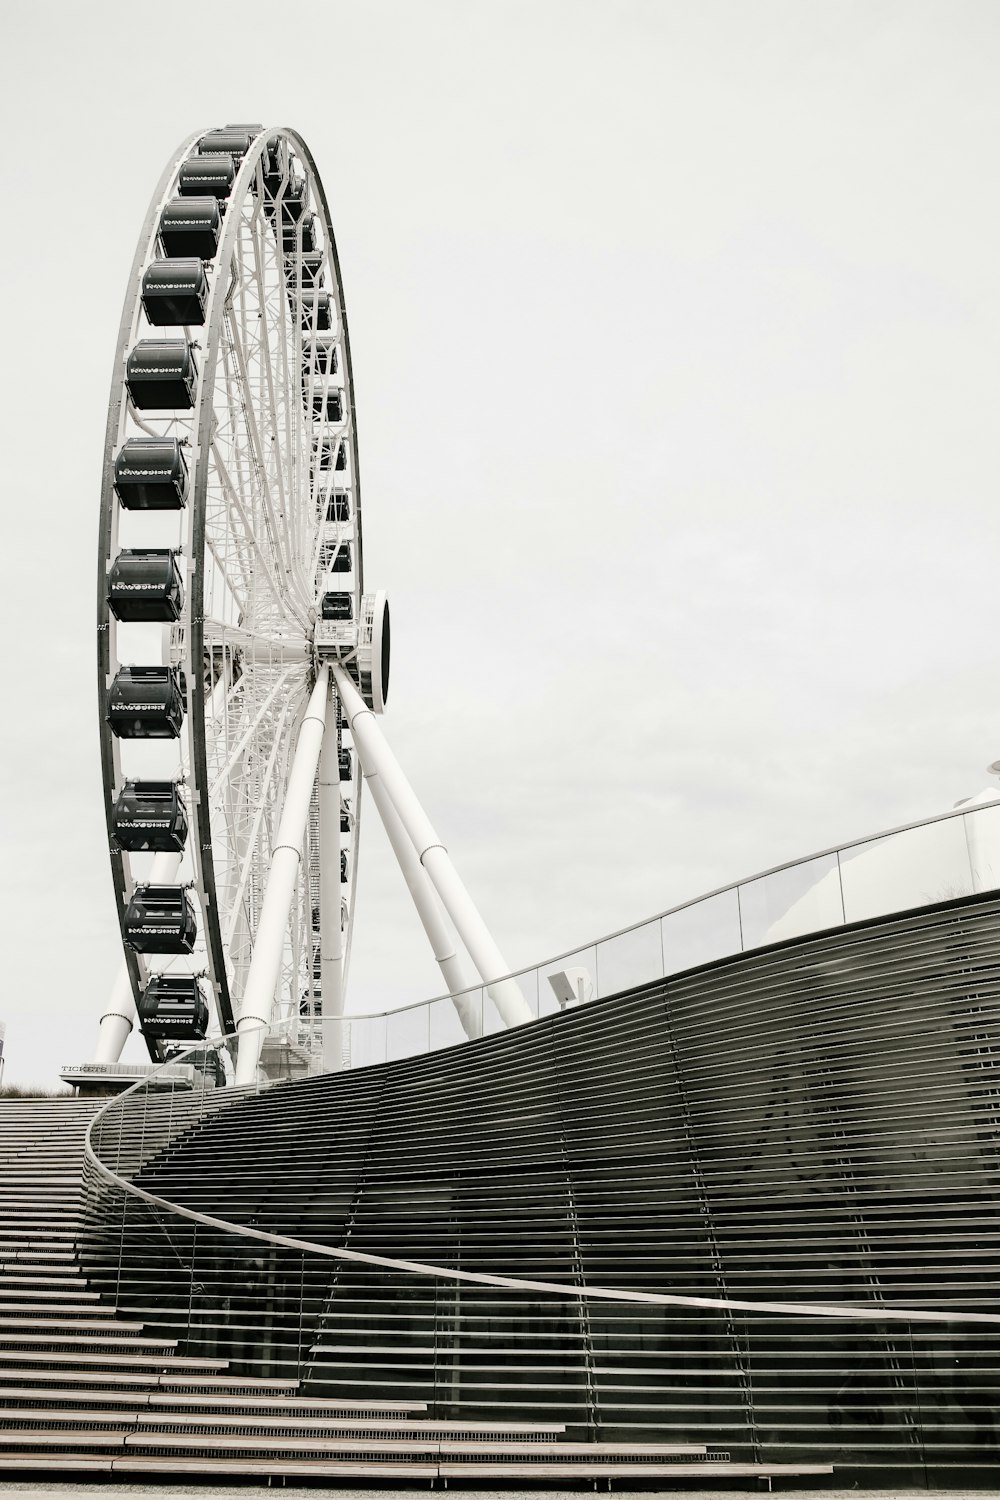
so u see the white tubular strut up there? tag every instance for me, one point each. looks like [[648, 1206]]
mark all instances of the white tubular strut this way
[[119, 1018], [269, 946], [426, 903], [376, 755], [331, 931]]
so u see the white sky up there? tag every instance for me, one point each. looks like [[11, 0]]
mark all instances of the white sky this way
[[676, 330]]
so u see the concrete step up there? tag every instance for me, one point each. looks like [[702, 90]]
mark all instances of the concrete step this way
[[61, 1324], [21, 1252], [41, 1311], [54, 1341], [29, 1358], [18, 1297], [214, 1405], [20, 1227], [42, 1279]]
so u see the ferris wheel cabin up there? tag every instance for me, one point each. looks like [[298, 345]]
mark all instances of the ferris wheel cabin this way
[[146, 585], [151, 474], [147, 703], [172, 1008], [160, 919], [175, 292], [150, 815]]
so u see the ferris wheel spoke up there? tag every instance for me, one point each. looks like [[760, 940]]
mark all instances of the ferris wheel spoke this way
[[256, 646], [288, 337], [291, 608], [286, 476], [238, 594], [258, 718], [255, 828], [277, 532]]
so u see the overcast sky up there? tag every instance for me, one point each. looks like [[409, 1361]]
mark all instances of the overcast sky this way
[[676, 331]]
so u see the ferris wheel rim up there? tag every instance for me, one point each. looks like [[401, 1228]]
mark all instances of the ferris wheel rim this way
[[203, 825]]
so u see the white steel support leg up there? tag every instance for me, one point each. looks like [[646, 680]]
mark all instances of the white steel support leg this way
[[269, 946], [331, 929], [457, 902], [426, 902], [119, 1018]]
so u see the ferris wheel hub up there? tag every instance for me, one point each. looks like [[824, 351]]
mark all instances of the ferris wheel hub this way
[[360, 646]]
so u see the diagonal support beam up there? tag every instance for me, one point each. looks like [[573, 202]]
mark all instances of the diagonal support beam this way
[[426, 903], [432, 854]]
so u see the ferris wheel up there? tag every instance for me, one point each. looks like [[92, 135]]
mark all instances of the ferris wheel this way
[[240, 660]]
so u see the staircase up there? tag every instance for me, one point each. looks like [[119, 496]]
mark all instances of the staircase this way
[[85, 1391]]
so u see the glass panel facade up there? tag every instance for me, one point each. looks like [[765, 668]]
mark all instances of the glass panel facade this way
[[445, 1028], [787, 903], [629, 959], [367, 1040], [914, 868], [407, 1034], [937, 861], [982, 834], [701, 932]]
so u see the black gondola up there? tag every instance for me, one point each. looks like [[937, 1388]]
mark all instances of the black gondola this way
[[339, 561], [206, 1062], [344, 762], [337, 606], [207, 175], [319, 356], [328, 403], [191, 226], [304, 270], [338, 508], [343, 866], [146, 585], [173, 1008], [150, 815], [233, 140], [314, 309], [294, 199], [275, 165], [161, 375], [160, 919], [175, 292], [329, 453], [146, 703], [291, 230], [345, 818], [150, 474]]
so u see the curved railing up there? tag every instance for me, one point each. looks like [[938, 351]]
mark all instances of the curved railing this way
[[144, 1122], [951, 855], [332, 1235]]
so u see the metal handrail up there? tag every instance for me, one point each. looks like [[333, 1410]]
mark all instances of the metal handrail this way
[[789, 864], [874, 1313]]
